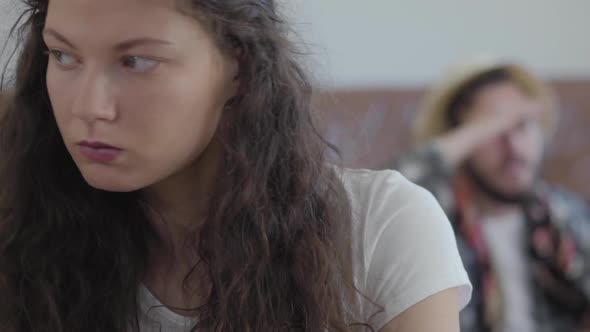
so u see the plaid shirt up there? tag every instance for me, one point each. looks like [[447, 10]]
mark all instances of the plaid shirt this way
[[558, 235]]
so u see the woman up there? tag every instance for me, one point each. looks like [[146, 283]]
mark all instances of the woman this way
[[161, 172]]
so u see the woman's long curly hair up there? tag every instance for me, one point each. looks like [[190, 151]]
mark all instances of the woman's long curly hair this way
[[273, 247]]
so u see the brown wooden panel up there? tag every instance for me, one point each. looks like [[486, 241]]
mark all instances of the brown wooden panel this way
[[371, 127]]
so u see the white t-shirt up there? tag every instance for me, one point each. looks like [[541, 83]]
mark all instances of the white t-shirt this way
[[404, 251], [505, 239]]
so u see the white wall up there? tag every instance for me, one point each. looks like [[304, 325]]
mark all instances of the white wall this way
[[7, 16], [9, 11], [409, 42]]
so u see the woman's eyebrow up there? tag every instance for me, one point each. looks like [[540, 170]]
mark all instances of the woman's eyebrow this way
[[53, 33]]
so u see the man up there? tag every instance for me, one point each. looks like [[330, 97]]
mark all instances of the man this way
[[525, 244]]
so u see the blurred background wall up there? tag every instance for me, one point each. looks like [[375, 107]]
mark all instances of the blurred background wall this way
[[374, 60], [9, 12], [409, 42]]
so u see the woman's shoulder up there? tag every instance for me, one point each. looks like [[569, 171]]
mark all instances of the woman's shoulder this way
[[387, 206], [405, 249], [383, 192]]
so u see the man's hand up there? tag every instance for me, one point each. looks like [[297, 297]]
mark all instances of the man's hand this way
[[482, 124]]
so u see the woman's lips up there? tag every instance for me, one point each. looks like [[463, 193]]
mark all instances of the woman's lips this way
[[99, 152]]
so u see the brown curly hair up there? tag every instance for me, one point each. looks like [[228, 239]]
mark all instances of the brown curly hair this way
[[274, 245]]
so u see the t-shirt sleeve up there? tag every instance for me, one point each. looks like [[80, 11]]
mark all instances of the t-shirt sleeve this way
[[410, 249]]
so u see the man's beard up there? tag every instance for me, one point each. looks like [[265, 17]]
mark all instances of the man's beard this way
[[492, 192]]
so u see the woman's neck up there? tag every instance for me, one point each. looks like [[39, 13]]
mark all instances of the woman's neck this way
[[179, 203], [177, 209]]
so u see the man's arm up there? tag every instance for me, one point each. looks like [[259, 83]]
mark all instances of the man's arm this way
[[433, 164], [426, 167]]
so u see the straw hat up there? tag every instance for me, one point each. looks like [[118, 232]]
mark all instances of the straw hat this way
[[431, 119]]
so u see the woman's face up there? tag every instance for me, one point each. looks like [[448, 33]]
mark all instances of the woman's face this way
[[137, 88]]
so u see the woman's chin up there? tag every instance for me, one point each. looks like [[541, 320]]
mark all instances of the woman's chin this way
[[109, 182]]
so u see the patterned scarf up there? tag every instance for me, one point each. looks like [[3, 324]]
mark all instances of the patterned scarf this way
[[551, 253]]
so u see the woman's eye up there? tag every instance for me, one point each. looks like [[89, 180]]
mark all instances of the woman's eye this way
[[63, 59], [140, 64]]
